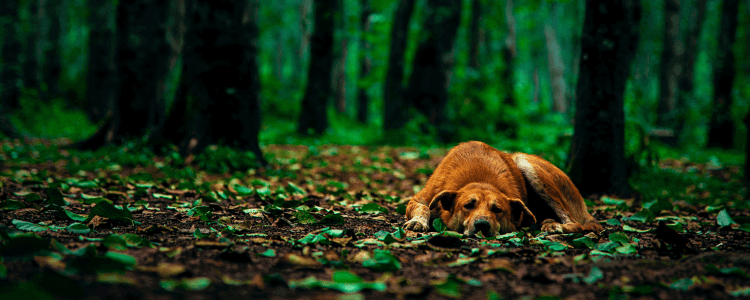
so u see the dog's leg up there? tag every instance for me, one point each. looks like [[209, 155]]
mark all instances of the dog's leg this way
[[568, 224], [419, 216]]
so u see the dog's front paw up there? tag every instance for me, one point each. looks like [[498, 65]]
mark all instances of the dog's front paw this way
[[417, 224], [551, 226]]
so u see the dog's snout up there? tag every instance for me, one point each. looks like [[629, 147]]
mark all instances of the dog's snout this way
[[483, 226]]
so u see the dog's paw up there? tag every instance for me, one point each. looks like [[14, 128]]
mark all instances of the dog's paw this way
[[417, 224], [551, 226]]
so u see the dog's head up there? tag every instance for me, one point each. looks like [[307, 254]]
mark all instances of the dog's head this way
[[480, 207]]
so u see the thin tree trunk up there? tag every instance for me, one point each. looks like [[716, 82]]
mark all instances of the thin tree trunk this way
[[670, 67], [141, 61], [394, 116], [508, 53], [305, 25], [696, 17], [721, 130], [101, 76], [556, 70], [32, 53], [365, 63], [339, 78], [10, 92], [474, 34], [597, 158], [433, 64], [314, 114], [221, 76], [51, 50]]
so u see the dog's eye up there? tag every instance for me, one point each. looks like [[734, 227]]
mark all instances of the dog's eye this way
[[470, 204], [496, 209]]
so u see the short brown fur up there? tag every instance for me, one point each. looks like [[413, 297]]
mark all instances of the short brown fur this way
[[477, 188]]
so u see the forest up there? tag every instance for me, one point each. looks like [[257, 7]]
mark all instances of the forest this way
[[242, 148]]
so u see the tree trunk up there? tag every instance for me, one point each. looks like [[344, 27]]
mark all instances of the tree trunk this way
[[721, 130], [508, 53], [474, 34], [597, 158], [339, 78], [394, 116], [101, 76], [52, 68], [314, 114], [221, 77], [696, 16], [365, 63], [433, 64], [141, 62], [305, 7], [556, 70], [31, 65], [671, 56], [10, 92]]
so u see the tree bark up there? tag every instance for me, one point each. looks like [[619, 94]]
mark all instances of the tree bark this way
[[141, 62], [721, 130], [556, 70], [474, 34], [433, 64], [221, 77], [31, 64], [101, 76], [314, 113], [508, 53], [597, 158], [52, 68], [365, 63], [394, 116], [696, 16], [10, 92], [670, 70]]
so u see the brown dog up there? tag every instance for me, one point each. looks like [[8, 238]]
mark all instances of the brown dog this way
[[479, 188]]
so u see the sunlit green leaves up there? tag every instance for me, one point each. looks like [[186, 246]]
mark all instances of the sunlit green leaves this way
[[382, 261], [723, 219], [190, 284], [106, 210], [373, 208], [645, 216], [733, 271], [594, 275], [342, 281]]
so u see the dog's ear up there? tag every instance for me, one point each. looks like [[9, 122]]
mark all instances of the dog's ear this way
[[445, 198], [521, 213]]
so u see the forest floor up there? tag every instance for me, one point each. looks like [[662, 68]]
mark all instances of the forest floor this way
[[326, 222]]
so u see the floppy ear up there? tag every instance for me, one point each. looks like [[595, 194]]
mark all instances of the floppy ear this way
[[521, 213], [445, 198]]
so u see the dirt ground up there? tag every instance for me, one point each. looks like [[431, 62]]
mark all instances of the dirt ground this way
[[255, 235]]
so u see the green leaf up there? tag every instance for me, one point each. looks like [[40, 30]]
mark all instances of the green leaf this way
[[736, 271], [199, 235], [373, 208], [657, 206], [304, 217], [594, 275], [109, 211], [54, 196], [74, 216], [723, 219], [78, 228], [23, 246], [243, 190], [629, 228], [438, 225], [268, 253], [382, 261], [10, 204], [555, 246], [332, 219], [612, 201], [121, 257], [619, 237], [682, 284], [451, 287], [3, 271], [614, 222], [85, 184], [28, 226], [94, 200], [583, 241], [645, 216], [294, 189], [461, 261], [627, 249], [195, 284]]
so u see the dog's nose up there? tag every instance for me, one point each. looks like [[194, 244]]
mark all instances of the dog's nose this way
[[483, 226]]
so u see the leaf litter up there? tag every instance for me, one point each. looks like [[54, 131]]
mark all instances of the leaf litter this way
[[327, 221]]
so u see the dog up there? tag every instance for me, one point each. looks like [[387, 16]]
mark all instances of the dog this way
[[477, 188]]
